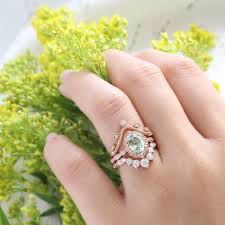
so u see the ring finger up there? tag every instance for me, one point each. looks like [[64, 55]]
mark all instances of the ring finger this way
[[106, 106], [154, 99]]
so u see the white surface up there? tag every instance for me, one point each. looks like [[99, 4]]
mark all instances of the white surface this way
[[14, 15], [146, 19]]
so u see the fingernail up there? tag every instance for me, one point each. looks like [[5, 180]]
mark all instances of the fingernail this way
[[67, 73], [51, 136]]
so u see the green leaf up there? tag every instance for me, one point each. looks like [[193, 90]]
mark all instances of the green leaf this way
[[3, 218], [48, 198], [52, 211], [41, 177]]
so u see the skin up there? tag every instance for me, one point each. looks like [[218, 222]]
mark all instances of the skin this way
[[185, 184]]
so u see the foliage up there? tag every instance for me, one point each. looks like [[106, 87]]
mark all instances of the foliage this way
[[30, 212], [194, 43], [3, 218], [33, 107]]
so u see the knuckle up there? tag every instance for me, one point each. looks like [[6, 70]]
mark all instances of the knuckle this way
[[111, 104], [77, 165], [143, 73], [183, 64]]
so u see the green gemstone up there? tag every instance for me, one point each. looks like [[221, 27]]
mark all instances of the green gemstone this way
[[135, 143]]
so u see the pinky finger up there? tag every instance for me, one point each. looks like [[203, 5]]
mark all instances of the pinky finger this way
[[88, 186]]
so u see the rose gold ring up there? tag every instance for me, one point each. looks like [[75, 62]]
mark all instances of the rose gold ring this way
[[134, 146]]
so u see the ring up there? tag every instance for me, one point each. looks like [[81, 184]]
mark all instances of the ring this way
[[134, 146]]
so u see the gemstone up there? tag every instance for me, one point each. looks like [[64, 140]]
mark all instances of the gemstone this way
[[129, 161], [150, 149], [144, 163], [150, 156], [135, 143], [151, 139], [117, 157], [136, 163], [153, 144], [121, 162]]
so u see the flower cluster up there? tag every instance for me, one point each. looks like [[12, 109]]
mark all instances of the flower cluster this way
[[32, 107], [31, 212], [194, 43]]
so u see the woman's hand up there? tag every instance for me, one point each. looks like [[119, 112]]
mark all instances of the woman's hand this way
[[185, 184]]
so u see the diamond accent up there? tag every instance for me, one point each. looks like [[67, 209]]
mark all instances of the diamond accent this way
[[121, 162], [129, 161], [150, 156], [112, 147], [153, 144], [145, 163], [151, 139], [136, 163], [117, 157], [150, 149]]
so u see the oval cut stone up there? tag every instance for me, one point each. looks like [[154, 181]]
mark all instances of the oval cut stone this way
[[135, 143]]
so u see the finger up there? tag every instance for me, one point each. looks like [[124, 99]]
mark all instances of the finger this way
[[88, 186], [152, 96], [106, 106], [201, 102]]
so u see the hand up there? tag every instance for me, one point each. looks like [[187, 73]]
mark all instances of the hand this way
[[185, 184]]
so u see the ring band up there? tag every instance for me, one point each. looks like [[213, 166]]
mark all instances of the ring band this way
[[134, 146]]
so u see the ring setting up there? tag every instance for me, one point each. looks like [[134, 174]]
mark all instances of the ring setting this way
[[134, 146]]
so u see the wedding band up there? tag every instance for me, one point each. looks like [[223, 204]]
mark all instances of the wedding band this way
[[134, 146]]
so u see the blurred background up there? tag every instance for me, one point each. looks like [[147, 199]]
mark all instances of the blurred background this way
[[147, 18], [14, 16]]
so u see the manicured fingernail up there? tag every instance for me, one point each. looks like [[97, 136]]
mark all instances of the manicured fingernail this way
[[51, 136], [67, 73]]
